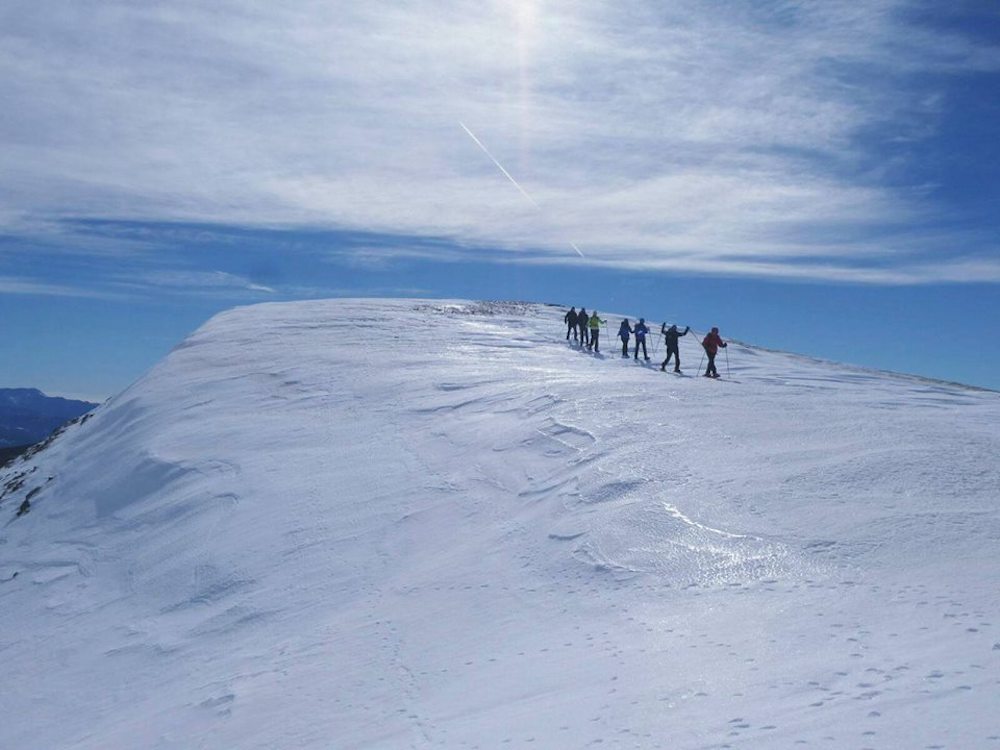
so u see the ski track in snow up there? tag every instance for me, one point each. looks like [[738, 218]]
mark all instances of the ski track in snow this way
[[409, 524]]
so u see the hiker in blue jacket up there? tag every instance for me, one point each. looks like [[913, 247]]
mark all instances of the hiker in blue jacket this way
[[582, 319], [623, 332], [640, 338]]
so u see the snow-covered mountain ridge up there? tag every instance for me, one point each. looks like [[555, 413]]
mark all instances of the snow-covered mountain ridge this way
[[393, 524]]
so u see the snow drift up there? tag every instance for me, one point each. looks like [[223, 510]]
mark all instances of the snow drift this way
[[388, 524]]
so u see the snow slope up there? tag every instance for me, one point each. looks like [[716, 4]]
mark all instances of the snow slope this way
[[396, 524]]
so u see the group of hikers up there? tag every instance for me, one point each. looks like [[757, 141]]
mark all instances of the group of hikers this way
[[585, 328]]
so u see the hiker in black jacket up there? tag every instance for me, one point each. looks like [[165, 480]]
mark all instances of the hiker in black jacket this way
[[581, 322], [640, 338], [571, 321], [670, 336]]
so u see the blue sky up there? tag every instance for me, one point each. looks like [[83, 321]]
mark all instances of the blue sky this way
[[813, 176]]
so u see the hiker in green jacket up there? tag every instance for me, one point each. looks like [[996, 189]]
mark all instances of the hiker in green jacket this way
[[595, 331]]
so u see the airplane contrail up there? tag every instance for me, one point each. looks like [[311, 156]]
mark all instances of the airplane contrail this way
[[509, 177]]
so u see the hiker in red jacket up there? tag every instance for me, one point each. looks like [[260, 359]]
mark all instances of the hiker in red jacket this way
[[712, 342]]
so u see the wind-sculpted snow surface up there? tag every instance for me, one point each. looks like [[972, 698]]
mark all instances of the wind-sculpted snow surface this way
[[396, 524]]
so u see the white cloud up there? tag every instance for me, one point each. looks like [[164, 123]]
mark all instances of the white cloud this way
[[138, 285], [681, 135], [26, 286], [188, 282]]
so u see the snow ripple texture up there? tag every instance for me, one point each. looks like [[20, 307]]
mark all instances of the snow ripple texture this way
[[682, 552]]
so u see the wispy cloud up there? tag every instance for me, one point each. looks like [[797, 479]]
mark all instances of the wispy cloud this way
[[18, 285], [189, 281], [741, 137]]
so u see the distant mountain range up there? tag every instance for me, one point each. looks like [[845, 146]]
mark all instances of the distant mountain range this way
[[27, 415]]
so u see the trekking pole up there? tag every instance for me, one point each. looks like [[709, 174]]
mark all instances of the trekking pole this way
[[727, 362], [702, 348]]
